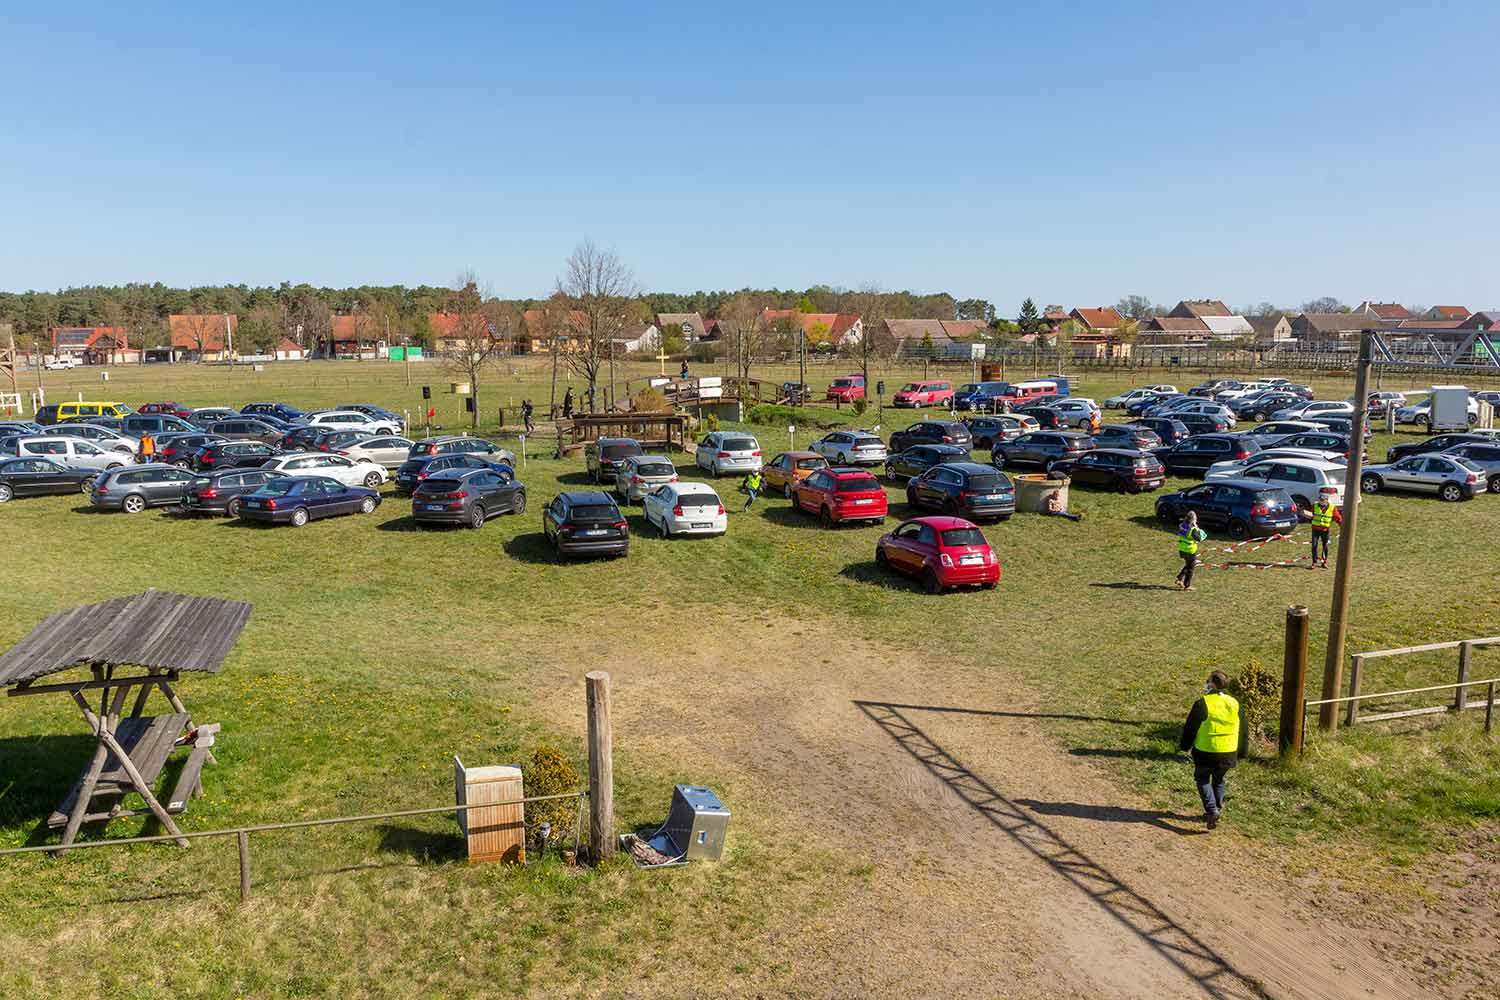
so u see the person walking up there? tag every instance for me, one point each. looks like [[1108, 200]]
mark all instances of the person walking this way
[[526, 411], [684, 368], [1188, 537], [568, 404], [753, 484], [1216, 735], [1324, 516], [148, 448]]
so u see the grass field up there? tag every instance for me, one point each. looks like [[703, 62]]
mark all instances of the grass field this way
[[377, 650]]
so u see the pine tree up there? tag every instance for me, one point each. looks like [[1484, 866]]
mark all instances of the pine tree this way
[[1030, 320]]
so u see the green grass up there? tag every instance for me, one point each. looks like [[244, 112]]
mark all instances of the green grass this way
[[376, 651]]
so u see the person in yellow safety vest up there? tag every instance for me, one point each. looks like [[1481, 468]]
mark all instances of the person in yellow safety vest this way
[[148, 448], [1324, 516], [753, 483], [1216, 734], [1188, 537]]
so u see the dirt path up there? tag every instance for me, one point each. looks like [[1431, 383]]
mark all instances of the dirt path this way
[[1002, 866]]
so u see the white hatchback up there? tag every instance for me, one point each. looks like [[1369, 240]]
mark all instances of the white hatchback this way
[[349, 471], [352, 420], [685, 509], [1304, 479]]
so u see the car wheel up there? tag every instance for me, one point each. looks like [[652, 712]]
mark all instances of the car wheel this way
[[86, 487], [1238, 530], [6, 493], [843, 459], [476, 517], [1048, 464], [890, 473], [1428, 423], [1495, 484], [372, 481], [518, 504], [930, 581], [1370, 484], [232, 508], [1262, 417], [786, 490], [951, 508], [911, 498], [133, 504], [1451, 492], [881, 559], [826, 516], [299, 517], [997, 459], [666, 529]]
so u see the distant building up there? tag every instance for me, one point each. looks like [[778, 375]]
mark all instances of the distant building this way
[[1174, 330], [1199, 309], [1273, 329], [1482, 321], [94, 345], [202, 336], [1459, 313], [542, 329], [694, 328], [839, 329], [1331, 329], [1100, 334], [1387, 312]]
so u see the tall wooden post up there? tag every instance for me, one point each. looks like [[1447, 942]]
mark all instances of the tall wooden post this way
[[1293, 681], [1333, 661], [601, 767]]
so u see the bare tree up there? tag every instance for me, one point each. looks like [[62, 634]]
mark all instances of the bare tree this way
[[367, 326], [472, 343], [870, 302], [743, 334], [598, 287], [200, 329]]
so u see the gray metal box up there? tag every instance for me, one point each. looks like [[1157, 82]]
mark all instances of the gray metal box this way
[[697, 824]]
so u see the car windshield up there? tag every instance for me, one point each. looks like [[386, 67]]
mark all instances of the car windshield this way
[[962, 536], [278, 487], [983, 482], [858, 484], [655, 469], [620, 450], [910, 387], [842, 383], [739, 444], [595, 512]]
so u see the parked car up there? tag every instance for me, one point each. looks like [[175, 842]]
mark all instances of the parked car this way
[[1187, 406], [86, 410], [1380, 401], [1421, 413], [966, 489], [204, 416], [846, 389], [337, 467], [1230, 467], [468, 496], [1128, 470], [1146, 405], [728, 451], [247, 429], [982, 397], [27, 428], [46, 415], [1077, 412], [221, 491], [1449, 476], [1486, 457], [603, 457], [782, 472], [838, 494], [1169, 429], [1317, 407], [460, 445], [640, 474], [1129, 436], [685, 509], [340, 441], [941, 552], [304, 438], [1441, 442], [288, 413], [61, 364], [353, 420], [295, 500], [1042, 414], [415, 471], [1318, 441], [75, 453], [30, 477], [179, 449], [232, 455], [1124, 399], [374, 412], [985, 431], [385, 449], [851, 448], [920, 457], [1196, 454], [927, 392], [585, 522], [168, 409], [952, 432], [1304, 479], [1214, 385], [138, 424], [1041, 448], [102, 436], [1342, 426], [1274, 432], [1241, 509], [1262, 406], [1202, 423], [133, 488]]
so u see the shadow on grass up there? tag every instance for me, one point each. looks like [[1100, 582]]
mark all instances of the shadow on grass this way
[[424, 845], [1152, 521], [867, 572], [35, 775], [581, 479], [531, 547], [1133, 585], [1113, 814], [1003, 714], [787, 516], [408, 523]]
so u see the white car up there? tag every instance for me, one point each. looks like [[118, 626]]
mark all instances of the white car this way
[[61, 364], [349, 471], [352, 420], [685, 509], [851, 448], [1230, 468], [728, 451], [1317, 408], [1126, 398], [1076, 411], [388, 450], [1165, 390], [1305, 479], [1246, 389], [72, 452], [1418, 413], [101, 436]]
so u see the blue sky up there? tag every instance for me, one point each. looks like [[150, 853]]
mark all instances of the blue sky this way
[[1075, 155]]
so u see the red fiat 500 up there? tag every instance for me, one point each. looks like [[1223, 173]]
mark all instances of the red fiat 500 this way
[[941, 552], [839, 495]]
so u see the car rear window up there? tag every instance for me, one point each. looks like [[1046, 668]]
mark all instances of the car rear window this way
[[739, 444], [963, 536], [983, 482], [1334, 476], [863, 439], [655, 468], [439, 486], [858, 484], [698, 500], [812, 463], [620, 450], [595, 512]]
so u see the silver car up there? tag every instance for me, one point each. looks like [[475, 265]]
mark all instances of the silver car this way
[[640, 474], [102, 436], [851, 448], [73, 452], [1449, 476], [385, 449], [728, 451]]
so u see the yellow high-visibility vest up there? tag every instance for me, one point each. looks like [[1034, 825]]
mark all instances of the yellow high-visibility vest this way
[[1220, 732], [1322, 517], [1188, 544]]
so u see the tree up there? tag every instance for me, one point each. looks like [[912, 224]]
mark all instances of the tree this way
[[979, 309], [471, 336], [1263, 309], [1326, 304], [1136, 307], [743, 333], [805, 305], [1030, 320], [598, 287], [201, 329], [672, 339]]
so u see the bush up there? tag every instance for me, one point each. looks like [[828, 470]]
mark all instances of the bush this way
[[711, 423], [1258, 691], [648, 400], [550, 773], [860, 406], [769, 415]]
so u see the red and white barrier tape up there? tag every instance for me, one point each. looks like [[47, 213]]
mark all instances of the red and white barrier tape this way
[[1255, 545]]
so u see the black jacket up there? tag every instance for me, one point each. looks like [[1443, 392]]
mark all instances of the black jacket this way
[[1196, 717]]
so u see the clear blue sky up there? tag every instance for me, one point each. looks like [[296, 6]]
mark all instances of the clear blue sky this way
[[1074, 153]]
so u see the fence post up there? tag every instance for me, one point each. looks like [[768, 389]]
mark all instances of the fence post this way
[[1461, 696], [244, 844], [1293, 681], [1489, 708], [1356, 674], [601, 767]]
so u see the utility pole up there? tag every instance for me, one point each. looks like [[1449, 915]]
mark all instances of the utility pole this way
[[1333, 662], [802, 362]]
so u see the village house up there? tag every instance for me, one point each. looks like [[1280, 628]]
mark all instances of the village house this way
[[94, 345], [693, 327], [1174, 330], [1459, 313], [1272, 329], [1099, 336], [1330, 329], [835, 329], [202, 336], [1386, 312]]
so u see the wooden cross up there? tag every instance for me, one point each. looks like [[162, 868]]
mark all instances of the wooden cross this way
[[661, 355]]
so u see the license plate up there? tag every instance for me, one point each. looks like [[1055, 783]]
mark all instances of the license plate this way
[[253, 503], [971, 560], [703, 524], [592, 532], [432, 506], [993, 497], [864, 501]]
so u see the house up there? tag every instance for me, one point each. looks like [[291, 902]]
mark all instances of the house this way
[[94, 345], [1271, 329], [1199, 309], [1459, 313], [1174, 330], [287, 350], [542, 329], [1389, 312], [1331, 328], [1481, 321], [640, 338], [1054, 318], [909, 336], [202, 336], [839, 329], [1105, 319], [1228, 327], [693, 327]]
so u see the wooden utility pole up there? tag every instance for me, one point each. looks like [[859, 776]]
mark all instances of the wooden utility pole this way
[[1333, 662], [601, 767], [1293, 681]]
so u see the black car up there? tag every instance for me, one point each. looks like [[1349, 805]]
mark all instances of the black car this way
[[585, 522], [1139, 407], [248, 429], [280, 410], [1261, 407], [1486, 456], [1240, 508], [1202, 423], [46, 415], [1128, 470], [179, 449], [1041, 448], [27, 428], [919, 458], [1441, 442], [339, 440], [1194, 455], [604, 456], [1342, 425], [964, 489], [985, 431], [157, 423], [232, 455], [414, 471], [932, 432], [1317, 441], [1130, 436], [295, 500], [220, 492], [29, 477], [468, 496], [1046, 417], [304, 438], [1169, 429], [1214, 385]]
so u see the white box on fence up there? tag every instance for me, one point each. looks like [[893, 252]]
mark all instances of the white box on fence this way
[[491, 832]]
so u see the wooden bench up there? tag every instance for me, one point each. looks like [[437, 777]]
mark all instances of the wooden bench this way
[[148, 741]]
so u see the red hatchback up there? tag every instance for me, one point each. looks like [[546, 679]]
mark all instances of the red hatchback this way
[[172, 409], [941, 552], [839, 495]]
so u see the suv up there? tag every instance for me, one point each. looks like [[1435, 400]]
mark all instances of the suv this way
[[585, 522], [156, 423], [458, 445], [414, 471], [71, 452], [134, 488], [1129, 436], [233, 455], [640, 474], [179, 449], [1440, 443], [354, 420], [985, 431], [219, 492], [467, 496], [1169, 429], [932, 432], [964, 488], [46, 415], [728, 451], [247, 428], [841, 494], [917, 459], [1196, 454], [1243, 509], [1041, 448], [1125, 469], [603, 457], [288, 413], [1202, 423], [851, 448]]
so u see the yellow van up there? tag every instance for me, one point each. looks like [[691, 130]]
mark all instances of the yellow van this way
[[87, 411]]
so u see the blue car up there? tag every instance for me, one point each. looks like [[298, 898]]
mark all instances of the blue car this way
[[1138, 407], [288, 413], [964, 489], [295, 500], [982, 397], [1241, 508]]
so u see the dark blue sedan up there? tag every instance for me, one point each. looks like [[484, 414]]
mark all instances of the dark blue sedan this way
[[1240, 508], [961, 489], [295, 500]]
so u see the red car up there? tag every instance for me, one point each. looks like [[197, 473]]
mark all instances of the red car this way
[[841, 494], [846, 389], [928, 392], [941, 552], [173, 409]]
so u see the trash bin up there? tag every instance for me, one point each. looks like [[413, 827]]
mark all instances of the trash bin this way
[[697, 823]]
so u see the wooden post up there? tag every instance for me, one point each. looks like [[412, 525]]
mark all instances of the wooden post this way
[[243, 839], [601, 767], [1356, 677], [1333, 660], [1293, 681], [1461, 695], [1489, 708]]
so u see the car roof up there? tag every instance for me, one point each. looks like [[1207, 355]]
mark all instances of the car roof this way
[[799, 454], [849, 472], [941, 522], [302, 454], [1249, 484], [970, 468], [691, 487], [603, 440], [1127, 452], [586, 496], [1311, 463]]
